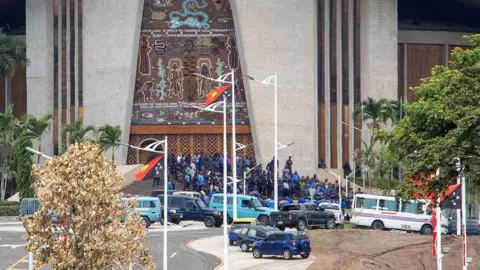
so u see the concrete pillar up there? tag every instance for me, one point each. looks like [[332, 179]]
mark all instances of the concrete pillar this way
[[281, 37], [39, 36], [111, 32]]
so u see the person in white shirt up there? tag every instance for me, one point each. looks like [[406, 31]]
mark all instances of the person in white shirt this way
[[286, 189]]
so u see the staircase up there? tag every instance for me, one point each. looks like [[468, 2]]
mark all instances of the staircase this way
[[323, 174], [144, 188]]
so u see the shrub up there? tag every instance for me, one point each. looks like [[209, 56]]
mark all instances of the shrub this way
[[9, 211], [9, 203]]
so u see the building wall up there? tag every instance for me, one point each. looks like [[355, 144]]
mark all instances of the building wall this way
[[111, 30], [280, 37], [41, 70]]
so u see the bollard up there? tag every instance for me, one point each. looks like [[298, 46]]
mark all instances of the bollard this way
[[30, 261]]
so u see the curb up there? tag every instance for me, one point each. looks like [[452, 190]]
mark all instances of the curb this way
[[9, 218], [189, 245]]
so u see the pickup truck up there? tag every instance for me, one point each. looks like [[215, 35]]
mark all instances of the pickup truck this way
[[302, 216]]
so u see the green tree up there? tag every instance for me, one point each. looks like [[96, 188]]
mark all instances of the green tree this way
[[444, 123], [36, 127], [108, 138], [13, 54], [77, 132], [8, 129], [22, 161]]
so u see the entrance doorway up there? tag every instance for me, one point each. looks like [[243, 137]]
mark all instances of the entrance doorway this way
[[144, 156]]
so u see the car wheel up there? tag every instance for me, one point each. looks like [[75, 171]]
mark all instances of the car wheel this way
[[231, 242], [256, 253], [263, 220], [301, 226], [287, 254], [244, 247], [331, 223], [426, 230], [147, 223], [281, 228], [378, 225], [209, 221], [176, 221], [304, 256]]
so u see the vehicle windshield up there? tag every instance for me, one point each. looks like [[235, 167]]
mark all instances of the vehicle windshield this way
[[299, 237], [201, 204], [242, 223], [330, 206], [256, 203]]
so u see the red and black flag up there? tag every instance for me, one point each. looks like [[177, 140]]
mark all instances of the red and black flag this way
[[217, 93], [452, 198], [148, 171]]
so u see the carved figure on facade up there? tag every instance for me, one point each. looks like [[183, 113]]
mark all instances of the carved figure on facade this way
[[162, 83], [175, 78], [144, 67], [204, 65], [147, 91], [233, 60]]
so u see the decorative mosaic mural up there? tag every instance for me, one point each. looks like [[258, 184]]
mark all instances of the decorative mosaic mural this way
[[190, 144], [181, 38]]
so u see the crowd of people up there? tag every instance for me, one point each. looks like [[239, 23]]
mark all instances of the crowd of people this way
[[204, 174]]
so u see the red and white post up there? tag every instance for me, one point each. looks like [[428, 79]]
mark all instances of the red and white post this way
[[464, 227]]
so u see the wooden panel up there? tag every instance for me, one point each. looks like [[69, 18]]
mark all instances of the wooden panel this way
[[333, 136], [356, 52], [357, 140], [333, 52], [18, 97], [186, 129], [345, 57], [321, 132], [401, 67], [346, 134], [321, 51], [421, 58]]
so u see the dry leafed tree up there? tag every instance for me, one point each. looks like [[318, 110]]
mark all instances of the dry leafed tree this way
[[82, 222]]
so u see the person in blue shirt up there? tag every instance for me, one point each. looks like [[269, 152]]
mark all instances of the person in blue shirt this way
[[206, 199], [271, 204], [187, 182], [301, 200], [201, 179], [296, 177], [170, 185]]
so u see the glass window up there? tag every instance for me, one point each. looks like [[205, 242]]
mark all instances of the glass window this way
[[149, 204], [370, 203], [409, 207], [261, 234], [359, 203], [270, 238], [177, 202], [279, 237], [244, 231], [292, 207], [246, 204], [299, 236], [201, 204], [252, 233], [218, 199], [191, 205], [229, 200], [139, 204], [330, 206], [387, 205], [256, 203]]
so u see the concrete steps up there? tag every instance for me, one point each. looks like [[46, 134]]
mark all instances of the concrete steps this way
[[144, 188]]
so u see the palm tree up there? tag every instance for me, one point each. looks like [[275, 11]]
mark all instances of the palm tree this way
[[8, 129], [36, 128], [77, 132], [378, 111], [13, 54], [109, 137]]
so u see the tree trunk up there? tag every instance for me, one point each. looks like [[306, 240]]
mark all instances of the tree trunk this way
[[113, 154], [39, 142], [8, 92]]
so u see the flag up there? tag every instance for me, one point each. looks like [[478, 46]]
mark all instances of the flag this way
[[147, 171], [434, 233], [452, 198], [215, 94]]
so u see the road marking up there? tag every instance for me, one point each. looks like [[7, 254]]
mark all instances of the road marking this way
[[18, 262], [173, 255], [11, 246], [189, 245]]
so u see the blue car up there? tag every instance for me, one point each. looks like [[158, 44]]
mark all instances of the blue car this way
[[285, 244]]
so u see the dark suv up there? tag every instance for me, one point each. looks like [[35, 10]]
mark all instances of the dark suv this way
[[285, 244], [194, 209]]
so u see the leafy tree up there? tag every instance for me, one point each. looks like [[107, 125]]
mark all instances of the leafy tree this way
[[22, 162], [77, 132], [8, 128], [109, 137], [444, 123], [93, 229], [13, 54], [37, 127]]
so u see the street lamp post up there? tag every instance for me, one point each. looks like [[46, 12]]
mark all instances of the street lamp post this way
[[152, 148], [238, 147], [245, 173], [354, 180], [213, 108], [272, 80], [339, 186]]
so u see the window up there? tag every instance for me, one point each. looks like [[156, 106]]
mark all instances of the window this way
[[370, 203], [278, 237], [360, 202], [219, 199], [387, 205], [246, 204], [139, 204], [177, 202], [252, 233], [409, 207], [299, 236], [201, 204], [149, 204], [292, 207], [270, 238], [330, 206], [261, 234], [191, 205], [244, 231]]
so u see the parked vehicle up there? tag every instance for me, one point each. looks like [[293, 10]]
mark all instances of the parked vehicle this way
[[336, 209], [285, 244], [472, 225], [188, 193], [149, 209], [385, 212], [247, 207], [251, 234], [236, 226], [195, 209], [302, 216], [159, 192]]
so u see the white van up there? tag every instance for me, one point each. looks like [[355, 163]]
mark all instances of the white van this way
[[385, 212]]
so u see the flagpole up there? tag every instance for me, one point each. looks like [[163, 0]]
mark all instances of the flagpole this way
[[459, 211], [225, 212], [438, 230], [464, 226], [234, 148], [165, 202]]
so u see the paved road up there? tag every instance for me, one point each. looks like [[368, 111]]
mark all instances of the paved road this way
[[13, 254]]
